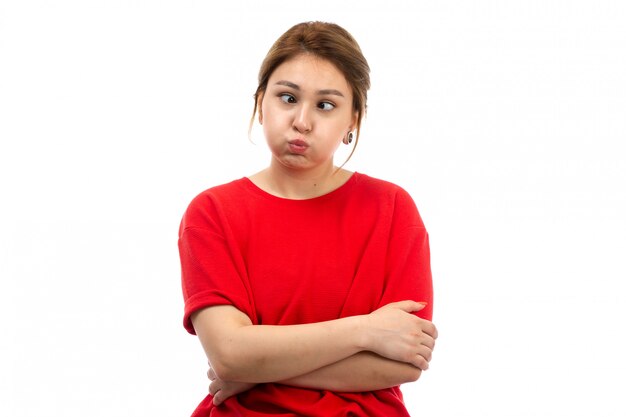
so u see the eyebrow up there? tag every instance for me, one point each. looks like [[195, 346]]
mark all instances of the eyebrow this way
[[327, 91]]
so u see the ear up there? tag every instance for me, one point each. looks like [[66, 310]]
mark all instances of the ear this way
[[352, 125]]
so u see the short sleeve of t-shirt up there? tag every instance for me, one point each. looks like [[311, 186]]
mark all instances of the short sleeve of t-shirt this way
[[408, 274], [211, 272]]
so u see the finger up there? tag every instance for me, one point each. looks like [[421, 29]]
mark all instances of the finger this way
[[217, 398], [426, 353], [214, 387], [211, 374], [410, 306], [420, 362], [430, 329], [427, 341]]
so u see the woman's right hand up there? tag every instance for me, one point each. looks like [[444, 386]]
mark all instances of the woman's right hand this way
[[222, 390], [395, 333]]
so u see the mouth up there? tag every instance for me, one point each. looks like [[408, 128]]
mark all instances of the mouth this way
[[297, 146]]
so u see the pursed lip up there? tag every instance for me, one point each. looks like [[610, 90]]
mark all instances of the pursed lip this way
[[299, 143], [297, 146]]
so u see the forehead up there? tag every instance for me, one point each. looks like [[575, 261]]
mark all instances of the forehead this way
[[310, 72]]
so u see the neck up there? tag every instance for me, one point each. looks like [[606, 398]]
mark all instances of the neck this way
[[300, 184]]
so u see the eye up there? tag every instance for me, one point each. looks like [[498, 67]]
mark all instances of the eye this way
[[287, 98], [326, 106]]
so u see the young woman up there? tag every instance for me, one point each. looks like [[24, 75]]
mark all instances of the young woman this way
[[309, 286]]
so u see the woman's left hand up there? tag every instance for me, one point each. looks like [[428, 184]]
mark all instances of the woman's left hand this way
[[221, 390]]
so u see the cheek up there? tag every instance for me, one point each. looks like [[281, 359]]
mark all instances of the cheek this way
[[336, 130], [267, 130], [273, 117], [272, 128]]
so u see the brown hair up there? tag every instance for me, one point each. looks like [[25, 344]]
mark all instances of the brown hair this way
[[328, 41]]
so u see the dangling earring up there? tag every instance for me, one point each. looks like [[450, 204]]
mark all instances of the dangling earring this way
[[348, 139]]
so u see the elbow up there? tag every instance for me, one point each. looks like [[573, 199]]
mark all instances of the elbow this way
[[224, 367], [414, 375], [229, 365], [222, 370], [402, 373]]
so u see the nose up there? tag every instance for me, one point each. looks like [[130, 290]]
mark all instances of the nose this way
[[302, 119]]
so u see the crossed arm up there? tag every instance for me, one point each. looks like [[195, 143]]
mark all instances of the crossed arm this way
[[385, 348]]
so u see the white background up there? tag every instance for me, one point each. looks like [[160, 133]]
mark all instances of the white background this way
[[505, 120]]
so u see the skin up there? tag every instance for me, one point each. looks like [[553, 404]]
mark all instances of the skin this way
[[309, 100], [390, 346], [306, 112]]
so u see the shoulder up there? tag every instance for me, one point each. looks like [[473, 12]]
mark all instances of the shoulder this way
[[225, 191], [208, 206], [379, 188], [393, 197]]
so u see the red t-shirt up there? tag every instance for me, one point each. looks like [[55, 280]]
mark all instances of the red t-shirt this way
[[284, 262]]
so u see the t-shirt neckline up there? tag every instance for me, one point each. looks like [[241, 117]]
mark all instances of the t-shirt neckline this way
[[343, 188]]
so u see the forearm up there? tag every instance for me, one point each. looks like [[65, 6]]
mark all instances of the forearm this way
[[261, 353], [242, 352], [364, 371]]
